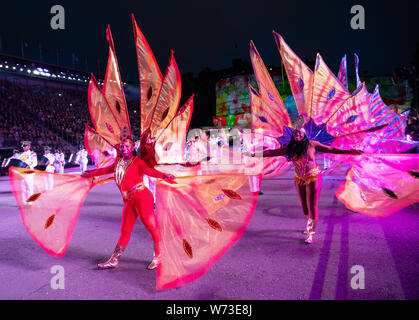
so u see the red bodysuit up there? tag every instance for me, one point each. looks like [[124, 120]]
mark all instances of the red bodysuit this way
[[138, 200]]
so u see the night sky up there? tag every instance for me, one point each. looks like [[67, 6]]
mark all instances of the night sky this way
[[212, 33]]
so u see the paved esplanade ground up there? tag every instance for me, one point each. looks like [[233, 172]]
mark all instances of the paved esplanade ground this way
[[270, 261]]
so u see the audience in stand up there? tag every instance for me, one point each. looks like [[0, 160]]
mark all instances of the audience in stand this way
[[47, 116]]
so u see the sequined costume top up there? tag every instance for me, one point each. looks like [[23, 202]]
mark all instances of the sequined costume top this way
[[128, 174], [306, 170]]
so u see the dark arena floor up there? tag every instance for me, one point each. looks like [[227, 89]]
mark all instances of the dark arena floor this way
[[269, 262]]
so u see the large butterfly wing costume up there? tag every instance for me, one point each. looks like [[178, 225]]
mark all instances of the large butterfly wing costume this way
[[199, 218], [378, 183]]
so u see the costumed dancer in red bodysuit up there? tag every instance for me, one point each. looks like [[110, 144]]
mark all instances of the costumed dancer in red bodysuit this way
[[138, 200]]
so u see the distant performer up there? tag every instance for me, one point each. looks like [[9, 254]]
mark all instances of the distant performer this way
[[31, 160], [51, 159], [81, 159], [28, 156], [59, 162]]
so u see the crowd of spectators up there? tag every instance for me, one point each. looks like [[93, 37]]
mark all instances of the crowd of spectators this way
[[47, 116], [24, 116]]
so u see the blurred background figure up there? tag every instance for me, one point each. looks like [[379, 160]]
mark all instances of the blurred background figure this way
[[81, 159], [50, 159], [59, 162], [28, 156]]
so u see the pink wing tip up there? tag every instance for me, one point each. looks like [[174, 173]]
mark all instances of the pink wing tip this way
[[277, 36], [253, 47]]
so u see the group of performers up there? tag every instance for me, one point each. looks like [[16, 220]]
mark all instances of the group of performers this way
[[53, 161], [192, 214]]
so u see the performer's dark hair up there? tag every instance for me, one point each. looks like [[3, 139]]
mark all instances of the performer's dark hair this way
[[147, 151], [297, 149]]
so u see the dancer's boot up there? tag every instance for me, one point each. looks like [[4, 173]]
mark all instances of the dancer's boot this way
[[154, 263], [309, 226], [114, 259]]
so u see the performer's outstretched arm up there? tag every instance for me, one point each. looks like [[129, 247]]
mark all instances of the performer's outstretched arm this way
[[155, 173], [275, 152], [330, 149], [267, 153], [100, 171]]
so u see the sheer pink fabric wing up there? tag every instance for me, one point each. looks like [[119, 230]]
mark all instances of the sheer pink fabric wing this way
[[300, 77], [200, 218], [102, 152], [263, 118], [102, 115], [380, 185], [170, 144], [392, 138], [49, 205], [343, 74], [352, 116], [275, 167], [113, 87], [267, 89], [168, 99], [328, 93], [358, 80], [272, 166], [150, 77]]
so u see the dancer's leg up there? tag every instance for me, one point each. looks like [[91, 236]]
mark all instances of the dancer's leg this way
[[302, 194], [145, 211], [147, 216], [128, 220], [313, 193], [129, 217]]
